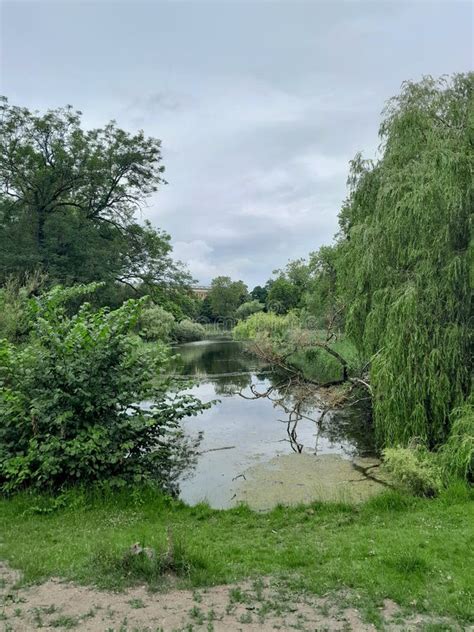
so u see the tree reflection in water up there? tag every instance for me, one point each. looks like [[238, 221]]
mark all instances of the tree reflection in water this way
[[235, 372]]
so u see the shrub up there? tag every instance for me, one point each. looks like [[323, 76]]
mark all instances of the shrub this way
[[70, 402], [266, 323], [247, 309], [188, 331], [415, 468], [155, 323]]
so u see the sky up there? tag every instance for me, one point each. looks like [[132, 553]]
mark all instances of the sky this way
[[260, 105]]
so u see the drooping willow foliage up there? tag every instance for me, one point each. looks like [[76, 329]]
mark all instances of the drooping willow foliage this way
[[406, 259]]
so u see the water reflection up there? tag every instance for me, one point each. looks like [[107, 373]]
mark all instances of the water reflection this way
[[260, 415]]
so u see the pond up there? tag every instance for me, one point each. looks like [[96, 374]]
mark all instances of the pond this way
[[250, 452]]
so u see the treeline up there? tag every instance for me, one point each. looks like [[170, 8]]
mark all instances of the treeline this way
[[230, 300]]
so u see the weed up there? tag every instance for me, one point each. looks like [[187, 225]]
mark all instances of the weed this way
[[245, 618], [197, 614], [65, 622]]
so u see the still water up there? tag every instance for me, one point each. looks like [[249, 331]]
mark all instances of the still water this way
[[244, 438]]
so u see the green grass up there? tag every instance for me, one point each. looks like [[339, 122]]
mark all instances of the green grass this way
[[417, 552]]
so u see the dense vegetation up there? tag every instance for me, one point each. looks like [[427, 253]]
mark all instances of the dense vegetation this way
[[74, 374], [383, 315], [70, 401], [397, 282], [405, 260]]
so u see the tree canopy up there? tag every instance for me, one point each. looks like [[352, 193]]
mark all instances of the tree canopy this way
[[406, 255], [69, 200], [225, 296]]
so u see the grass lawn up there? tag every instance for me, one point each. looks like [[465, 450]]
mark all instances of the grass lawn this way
[[418, 552]]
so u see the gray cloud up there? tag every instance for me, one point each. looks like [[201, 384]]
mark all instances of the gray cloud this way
[[260, 105]]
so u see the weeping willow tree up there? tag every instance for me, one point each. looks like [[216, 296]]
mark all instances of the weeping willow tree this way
[[406, 264]]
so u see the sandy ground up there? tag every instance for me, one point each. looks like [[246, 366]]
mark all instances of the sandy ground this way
[[262, 605]]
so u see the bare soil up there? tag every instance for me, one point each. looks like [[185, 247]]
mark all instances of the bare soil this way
[[263, 605]]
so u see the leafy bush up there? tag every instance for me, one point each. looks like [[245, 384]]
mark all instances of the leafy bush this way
[[155, 323], [415, 468], [457, 454], [188, 331], [247, 309], [267, 323], [70, 402]]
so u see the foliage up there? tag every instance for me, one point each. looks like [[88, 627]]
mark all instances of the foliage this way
[[247, 309], [188, 331], [225, 296], [415, 468], [457, 454], [68, 201], [70, 402], [318, 365], [265, 323], [282, 296], [406, 249], [204, 313], [259, 294], [286, 291], [287, 339], [14, 296], [321, 299], [155, 323]]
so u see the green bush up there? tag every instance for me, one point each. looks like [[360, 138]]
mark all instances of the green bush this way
[[247, 309], [188, 331], [155, 323], [415, 468], [70, 402], [266, 323]]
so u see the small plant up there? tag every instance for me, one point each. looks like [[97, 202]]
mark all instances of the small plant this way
[[65, 622], [197, 615], [236, 595], [409, 564], [245, 618]]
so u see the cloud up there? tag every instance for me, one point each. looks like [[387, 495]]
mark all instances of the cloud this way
[[260, 107]]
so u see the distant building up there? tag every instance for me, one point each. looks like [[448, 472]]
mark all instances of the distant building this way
[[201, 291]]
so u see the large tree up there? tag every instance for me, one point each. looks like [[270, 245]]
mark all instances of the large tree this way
[[69, 200], [406, 252], [225, 296]]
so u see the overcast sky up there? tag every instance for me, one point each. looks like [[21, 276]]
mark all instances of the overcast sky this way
[[259, 105]]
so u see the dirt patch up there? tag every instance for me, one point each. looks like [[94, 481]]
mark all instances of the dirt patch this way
[[261, 605]]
